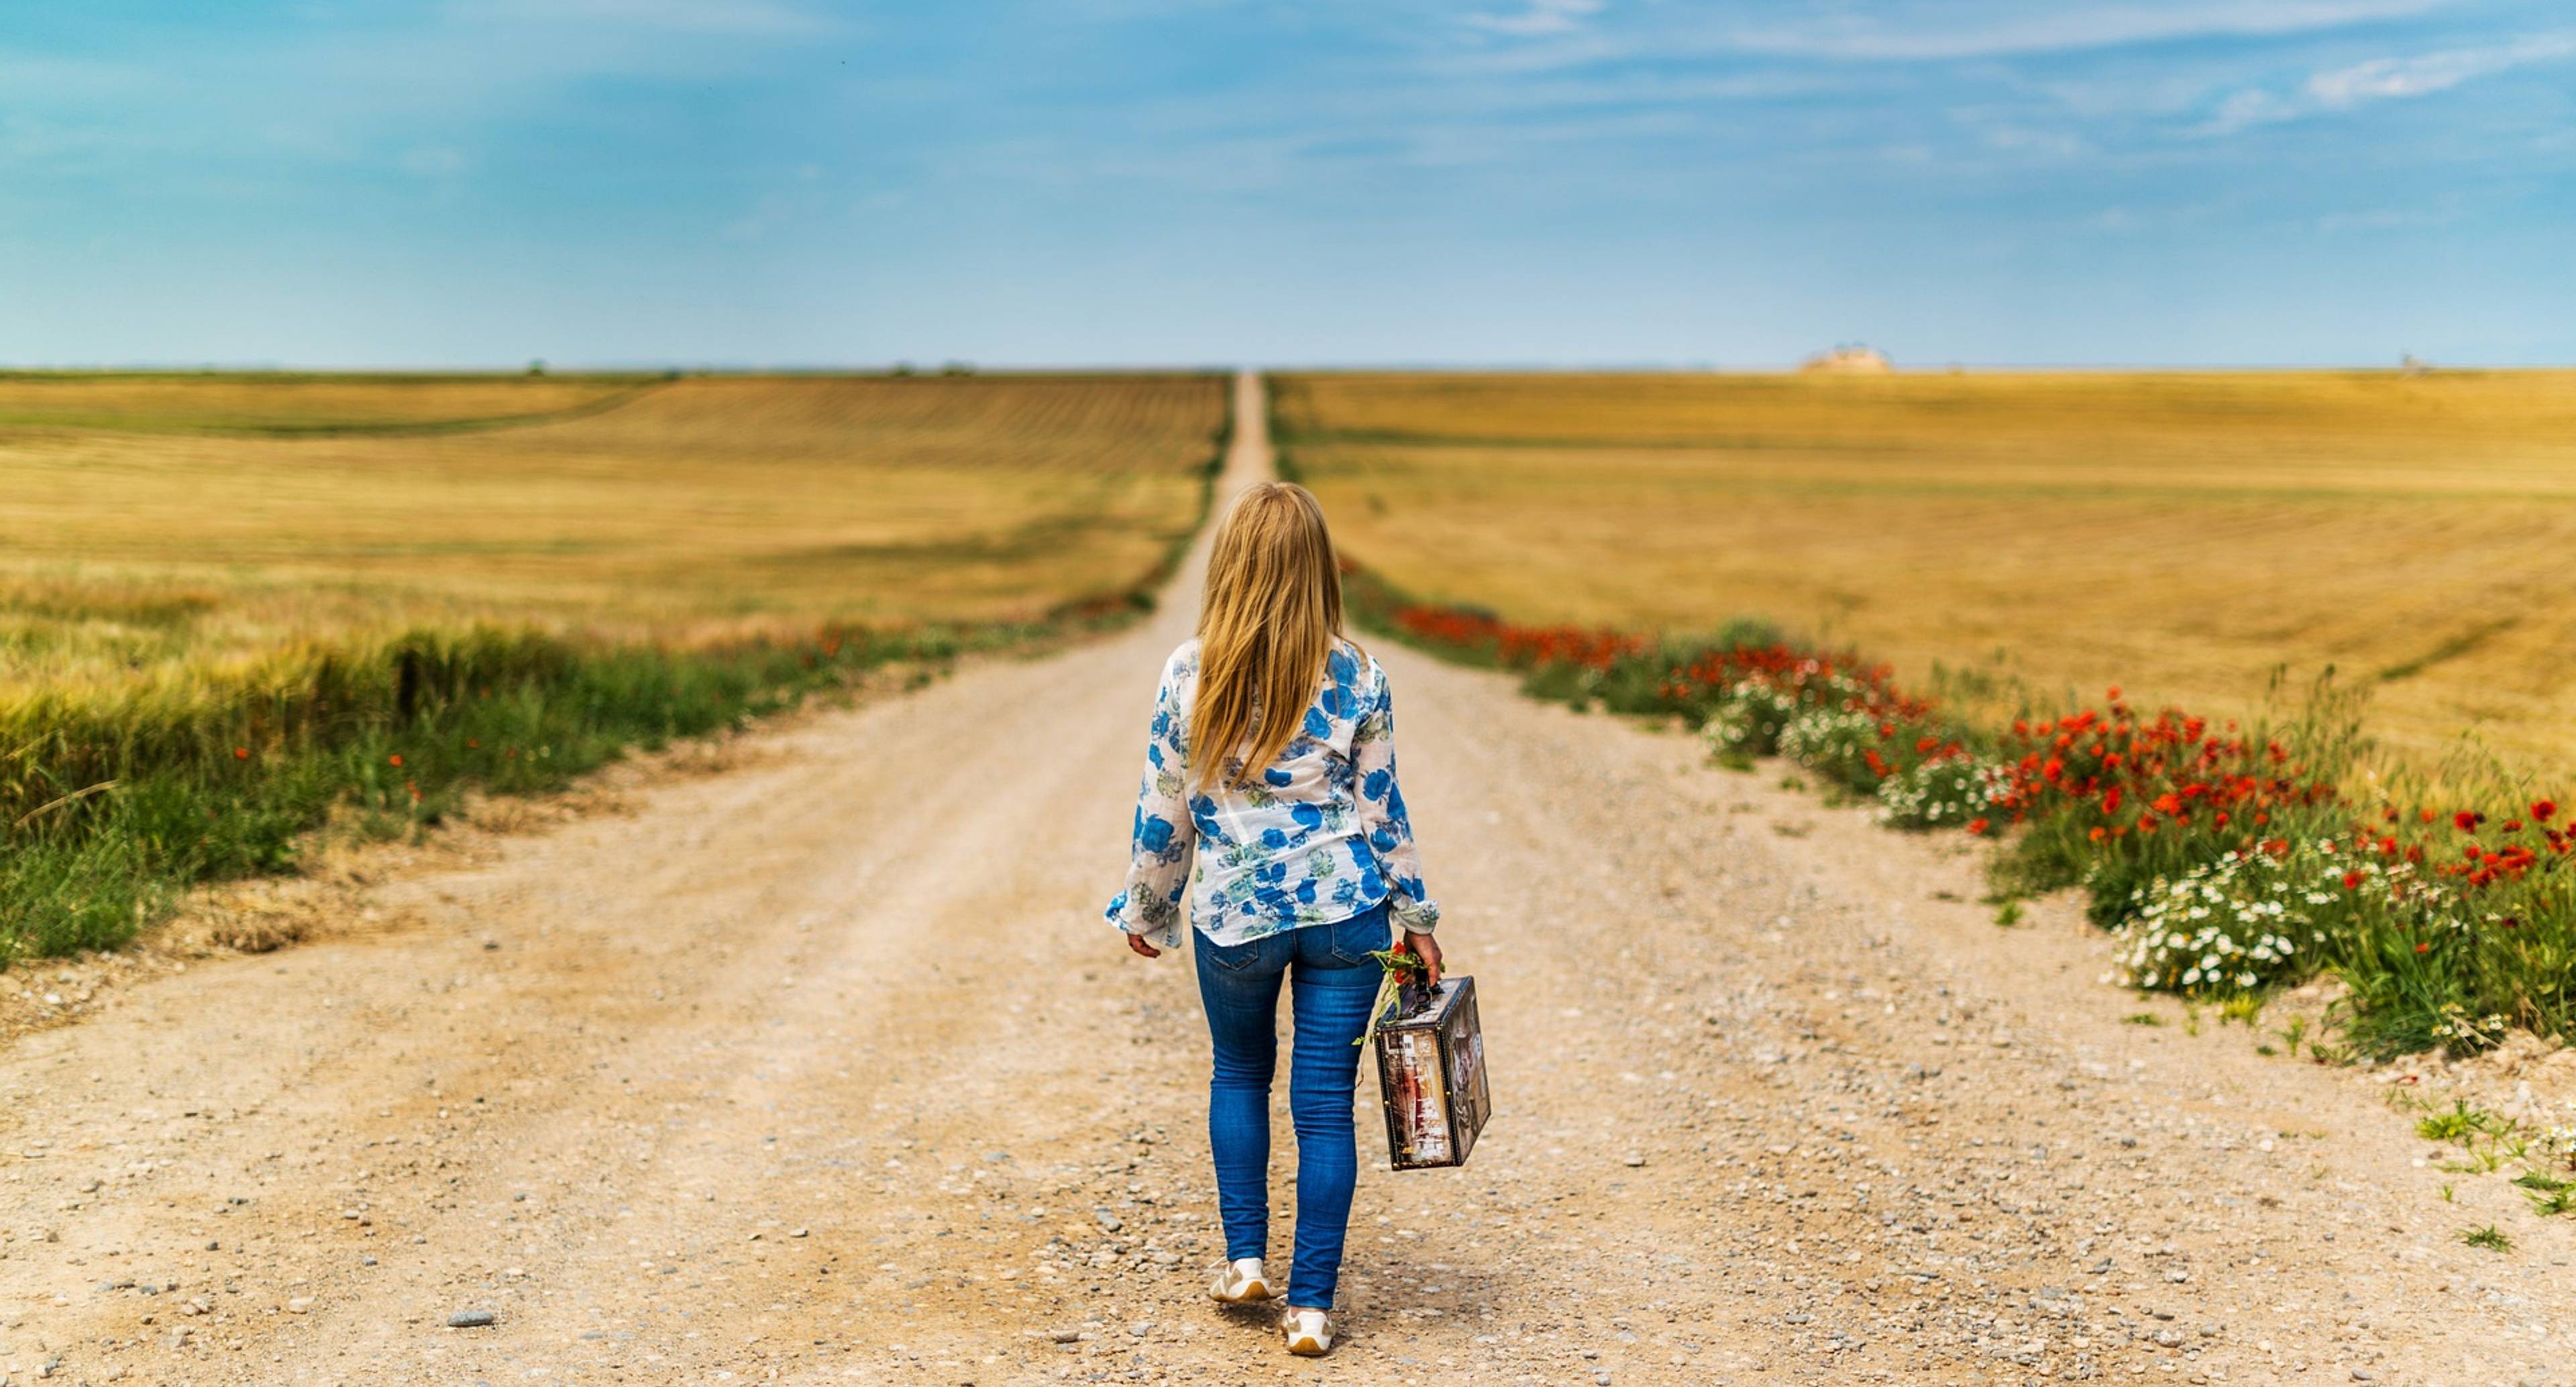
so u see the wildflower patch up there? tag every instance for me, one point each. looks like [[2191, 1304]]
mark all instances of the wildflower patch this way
[[2225, 859]]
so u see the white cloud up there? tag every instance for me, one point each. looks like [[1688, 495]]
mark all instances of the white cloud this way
[[2394, 78], [1932, 32], [2021, 139], [693, 16], [1925, 30], [2384, 79], [1539, 18]]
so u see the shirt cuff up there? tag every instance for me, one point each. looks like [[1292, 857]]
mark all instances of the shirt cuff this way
[[1414, 917], [1165, 934]]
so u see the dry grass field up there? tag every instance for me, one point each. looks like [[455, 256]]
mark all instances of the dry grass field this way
[[2180, 534], [233, 608], [143, 531], [287, 403]]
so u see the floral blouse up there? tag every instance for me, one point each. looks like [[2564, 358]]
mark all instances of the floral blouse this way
[[1320, 836]]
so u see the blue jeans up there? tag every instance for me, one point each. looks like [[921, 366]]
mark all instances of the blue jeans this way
[[1332, 981]]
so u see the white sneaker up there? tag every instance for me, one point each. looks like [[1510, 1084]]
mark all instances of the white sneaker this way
[[1310, 1332], [1240, 1282]]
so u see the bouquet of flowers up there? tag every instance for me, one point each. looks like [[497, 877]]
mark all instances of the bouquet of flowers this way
[[1406, 983]]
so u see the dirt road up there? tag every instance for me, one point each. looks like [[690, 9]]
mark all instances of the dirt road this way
[[824, 1068]]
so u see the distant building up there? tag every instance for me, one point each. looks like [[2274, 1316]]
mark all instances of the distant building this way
[[1850, 358]]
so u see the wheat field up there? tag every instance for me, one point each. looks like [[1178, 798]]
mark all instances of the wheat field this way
[[2180, 534], [234, 610], [287, 403], [154, 524]]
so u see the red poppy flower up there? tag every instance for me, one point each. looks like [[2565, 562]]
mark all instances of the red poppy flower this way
[[2423, 948], [2542, 810], [241, 753], [2352, 881], [2467, 820], [1978, 826]]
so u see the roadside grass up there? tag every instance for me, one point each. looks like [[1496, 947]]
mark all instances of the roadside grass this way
[[2490, 1237], [213, 644], [2228, 860]]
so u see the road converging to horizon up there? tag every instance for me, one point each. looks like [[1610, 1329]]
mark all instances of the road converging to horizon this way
[[824, 1067]]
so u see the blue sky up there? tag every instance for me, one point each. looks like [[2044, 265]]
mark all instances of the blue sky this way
[[328, 182]]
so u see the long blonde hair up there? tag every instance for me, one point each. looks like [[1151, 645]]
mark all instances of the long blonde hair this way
[[1272, 610]]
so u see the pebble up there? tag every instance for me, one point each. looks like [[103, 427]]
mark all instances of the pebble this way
[[470, 1319], [1108, 1220], [1633, 1159]]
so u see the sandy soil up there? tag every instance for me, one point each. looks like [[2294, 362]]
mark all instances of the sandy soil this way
[[824, 1068]]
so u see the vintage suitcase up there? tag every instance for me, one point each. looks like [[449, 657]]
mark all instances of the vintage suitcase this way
[[1431, 1071]]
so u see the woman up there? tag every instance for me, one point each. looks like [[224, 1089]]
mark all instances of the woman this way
[[1303, 857]]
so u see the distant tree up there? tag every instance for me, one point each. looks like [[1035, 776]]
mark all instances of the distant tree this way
[[537, 367], [901, 368], [957, 368]]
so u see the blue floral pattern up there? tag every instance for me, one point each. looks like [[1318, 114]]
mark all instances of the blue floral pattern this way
[[1319, 836]]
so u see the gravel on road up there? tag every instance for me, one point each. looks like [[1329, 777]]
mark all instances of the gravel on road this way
[[824, 1068]]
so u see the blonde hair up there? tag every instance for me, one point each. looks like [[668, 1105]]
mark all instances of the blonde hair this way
[[1272, 610]]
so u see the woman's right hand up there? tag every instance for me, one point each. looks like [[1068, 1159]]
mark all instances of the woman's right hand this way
[[1427, 949]]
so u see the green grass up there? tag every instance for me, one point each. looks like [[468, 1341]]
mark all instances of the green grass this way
[[146, 799], [2492, 1238]]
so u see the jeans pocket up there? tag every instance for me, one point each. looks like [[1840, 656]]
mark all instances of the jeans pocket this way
[[1356, 938], [1230, 958]]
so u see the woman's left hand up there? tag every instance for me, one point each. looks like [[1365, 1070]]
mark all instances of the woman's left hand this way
[[1137, 943]]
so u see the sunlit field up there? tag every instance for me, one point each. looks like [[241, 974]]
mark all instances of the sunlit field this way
[[694, 508], [2178, 534], [233, 605], [290, 404]]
